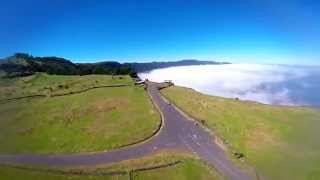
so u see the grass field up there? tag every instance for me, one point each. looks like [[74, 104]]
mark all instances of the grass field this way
[[95, 120], [54, 84], [281, 142], [188, 168]]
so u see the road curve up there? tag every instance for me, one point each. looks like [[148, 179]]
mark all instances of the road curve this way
[[177, 132]]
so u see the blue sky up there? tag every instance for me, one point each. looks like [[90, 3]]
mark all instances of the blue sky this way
[[247, 31]]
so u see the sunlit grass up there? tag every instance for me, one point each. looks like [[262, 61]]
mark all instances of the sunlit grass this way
[[55, 84], [99, 119], [282, 142]]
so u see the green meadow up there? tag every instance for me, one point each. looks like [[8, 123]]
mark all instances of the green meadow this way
[[48, 85], [94, 120], [280, 142], [187, 168]]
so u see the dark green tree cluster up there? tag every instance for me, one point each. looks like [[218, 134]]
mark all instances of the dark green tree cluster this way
[[21, 64]]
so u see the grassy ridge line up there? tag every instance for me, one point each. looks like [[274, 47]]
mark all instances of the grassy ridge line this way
[[2, 101], [68, 93], [277, 140], [64, 172], [84, 173], [88, 89], [53, 84], [174, 163], [64, 94], [158, 166], [168, 165]]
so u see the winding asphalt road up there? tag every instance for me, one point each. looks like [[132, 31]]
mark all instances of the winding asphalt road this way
[[177, 132]]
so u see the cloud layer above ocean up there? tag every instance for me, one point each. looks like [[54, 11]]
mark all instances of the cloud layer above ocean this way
[[269, 84]]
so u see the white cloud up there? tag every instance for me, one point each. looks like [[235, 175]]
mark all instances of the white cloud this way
[[270, 84]]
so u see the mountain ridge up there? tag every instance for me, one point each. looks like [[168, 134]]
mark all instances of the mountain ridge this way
[[22, 64]]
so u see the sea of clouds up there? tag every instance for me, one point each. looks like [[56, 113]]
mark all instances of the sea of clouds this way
[[269, 84]]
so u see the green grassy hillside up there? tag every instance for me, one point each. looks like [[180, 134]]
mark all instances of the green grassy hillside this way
[[55, 84], [281, 142], [94, 120]]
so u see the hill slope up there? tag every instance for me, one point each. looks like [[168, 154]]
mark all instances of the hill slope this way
[[281, 142], [71, 114]]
